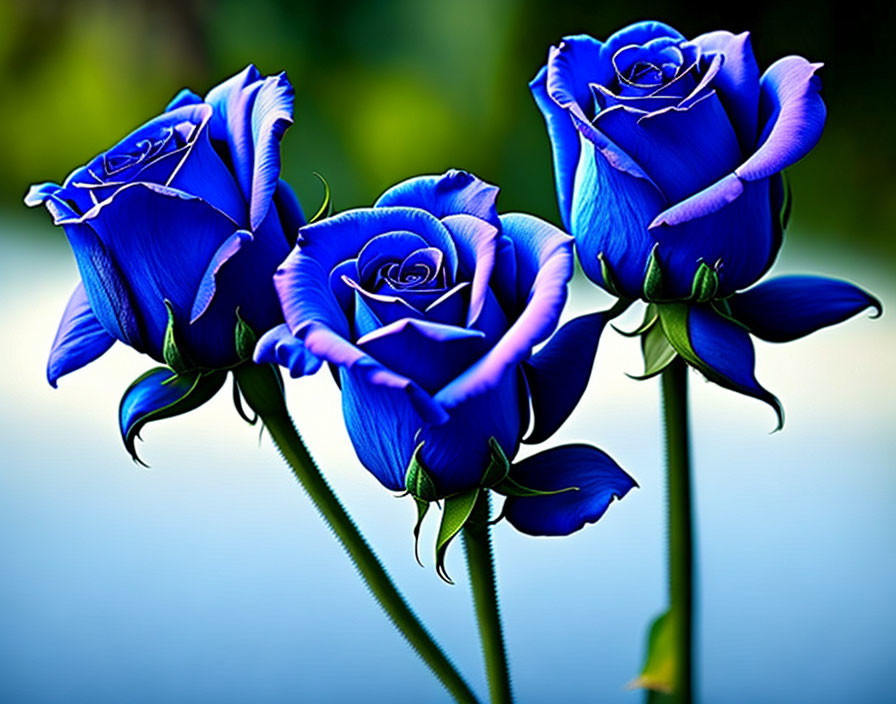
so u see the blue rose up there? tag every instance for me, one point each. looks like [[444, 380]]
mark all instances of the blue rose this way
[[177, 227], [428, 306], [668, 155]]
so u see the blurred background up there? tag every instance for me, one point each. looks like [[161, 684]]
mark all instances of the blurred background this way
[[209, 577]]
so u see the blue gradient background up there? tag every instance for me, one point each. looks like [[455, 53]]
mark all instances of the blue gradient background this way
[[209, 578]]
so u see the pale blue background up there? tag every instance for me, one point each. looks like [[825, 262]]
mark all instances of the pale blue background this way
[[210, 578]]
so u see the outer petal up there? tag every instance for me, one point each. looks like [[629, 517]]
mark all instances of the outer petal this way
[[292, 217], [610, 215], [279, 346], [792, 116], [430, 354], [142, 227], [597, 478], [737, 83], [453, 193], [456, 453], [564, 143], [683, 150], [382, 424], [109, 294], [544, 266], [79, 340], [788, 307], [324, 343], [738, 237], [271, 116], [558, 374], [208, 284], [233, 101]]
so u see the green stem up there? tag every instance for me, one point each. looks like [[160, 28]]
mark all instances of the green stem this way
[[681, 566], [481, 566], [260, 386]]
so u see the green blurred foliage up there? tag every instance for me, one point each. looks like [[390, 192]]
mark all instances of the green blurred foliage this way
[[387, 90]]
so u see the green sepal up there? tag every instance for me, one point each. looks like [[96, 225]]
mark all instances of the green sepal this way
[[674, 321], [511, 487], [326, 206], [457, 511], [658, 353], [610, 283], [244, 338], [653, 278], [787, 203], [238, 405], [659, 670], [498, 465], [650, 317], [192, 390], [705, 284], [171, 352], [417, 479], [422, 509]]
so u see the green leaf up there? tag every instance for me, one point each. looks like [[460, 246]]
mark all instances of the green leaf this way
[[657, 352], [659, 670], [498, 465], [244, 338], [606, 274], [417, 480], [171, 353], [326, 206], [653, 279], [705, 284], [457, 510]]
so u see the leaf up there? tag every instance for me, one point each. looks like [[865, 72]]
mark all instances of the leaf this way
[[160, 393], [171, 353], [417, 480], [457, 510], [659, 670], [657, 352]]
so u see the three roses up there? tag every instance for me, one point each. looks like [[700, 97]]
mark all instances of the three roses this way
[[428, 306]]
